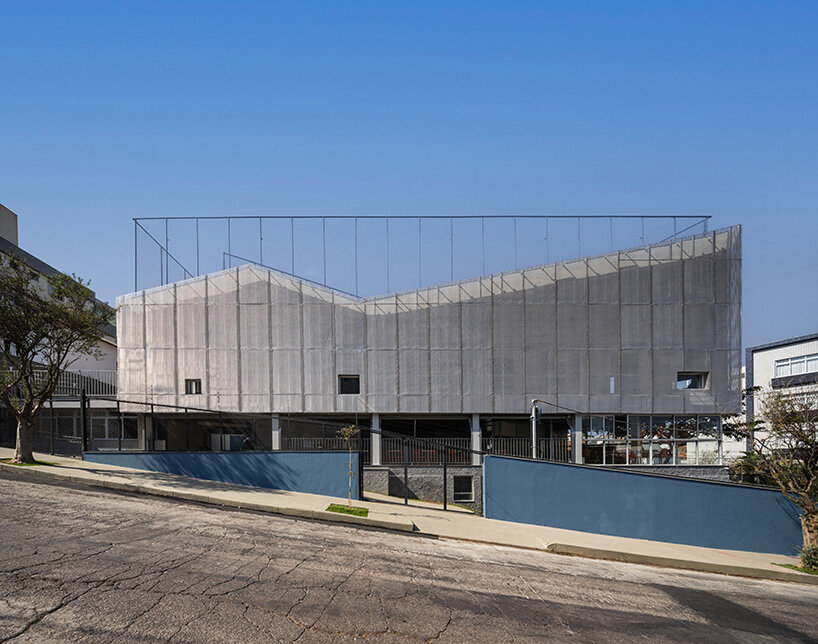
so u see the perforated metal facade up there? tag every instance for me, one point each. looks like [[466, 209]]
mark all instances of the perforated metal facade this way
[[605, 334]]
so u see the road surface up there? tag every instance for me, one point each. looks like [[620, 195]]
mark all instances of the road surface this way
[[85, 565]]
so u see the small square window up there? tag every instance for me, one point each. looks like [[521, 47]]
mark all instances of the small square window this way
[[193, 386], [350, 384], [463, 489], [693, 380]]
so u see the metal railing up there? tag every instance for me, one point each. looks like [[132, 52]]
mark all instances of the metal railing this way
[[425, 451], [548, 449], [70, 384]]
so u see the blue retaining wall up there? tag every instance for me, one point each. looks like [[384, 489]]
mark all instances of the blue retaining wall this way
[[642, 506], [314, 472]]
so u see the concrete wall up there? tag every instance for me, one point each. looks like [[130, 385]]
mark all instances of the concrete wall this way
[[642, 506], [313, 472], [261, 341], [425, 483]]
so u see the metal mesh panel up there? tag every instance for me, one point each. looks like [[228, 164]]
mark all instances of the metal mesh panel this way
[[253, 285], [130, 323], [572, 326], [317, 326], [223, 372], [572, 283], [603, 279], [445, 373], [540, 285], [255, 372], [572, 373], [508, 323], [476, 324], [603, 326], [635, 276], [161, 371], [382, 370], [286, 326], [699, 280], [540, 376], [699, 326], [667, 283], [667, 326], [381, 325], [444, 326], [414, 371], [666, 365], [635, 326], [349, 327], [413, 330]]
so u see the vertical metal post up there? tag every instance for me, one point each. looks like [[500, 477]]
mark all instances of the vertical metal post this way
[[356, 256], [643, 231], [121, 426], [420, 256], [360, 466], [83, 421], [161, 265], [516, 263], [53, 425], [229, 242], [547, 240], [167, 251], [405, 471], [451, 248], [445, 479], [534, 414], [153, 431], [135, 256], [483, 243], [324, 242], [187, 431], [674, 228], [260, 242], [610, 223], [579, 237], [198, 272], [292, 246], [387, 254]]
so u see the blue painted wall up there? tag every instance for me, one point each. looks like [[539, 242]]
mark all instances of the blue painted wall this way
[[642, 506], [314, 472]]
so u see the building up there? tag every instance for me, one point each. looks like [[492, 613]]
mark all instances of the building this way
[[789, 366], [635, 355], [59, 427]]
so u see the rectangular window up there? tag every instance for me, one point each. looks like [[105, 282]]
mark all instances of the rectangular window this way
[[691, 380], [463, 489], [796, 365], [349, 384], [193, 386]]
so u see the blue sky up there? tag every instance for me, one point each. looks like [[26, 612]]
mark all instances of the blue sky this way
[[110, 111]]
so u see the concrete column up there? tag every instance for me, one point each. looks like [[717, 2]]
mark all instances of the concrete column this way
[[276, 429], [576, 438], [375, 440], [476, 438]]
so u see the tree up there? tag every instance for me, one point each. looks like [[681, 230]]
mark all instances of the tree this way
[[46, 324], [784, 449], [348, 433]]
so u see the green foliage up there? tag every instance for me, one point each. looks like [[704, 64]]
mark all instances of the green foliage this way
[[343, 509], [750, 469], [809, 559]]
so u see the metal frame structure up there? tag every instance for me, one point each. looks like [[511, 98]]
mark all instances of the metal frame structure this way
[[689, 223]]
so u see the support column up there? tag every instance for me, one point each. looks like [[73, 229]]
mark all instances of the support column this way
[[576, 439], [276, 429], [476, 438], [375, 440]]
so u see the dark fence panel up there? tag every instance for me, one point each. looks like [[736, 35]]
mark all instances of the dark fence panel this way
[[642, 506]]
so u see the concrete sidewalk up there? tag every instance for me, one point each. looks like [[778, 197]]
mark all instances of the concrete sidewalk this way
[[424, 518]]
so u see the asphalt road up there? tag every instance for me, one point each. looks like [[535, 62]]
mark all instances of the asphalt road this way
[[84, 565]]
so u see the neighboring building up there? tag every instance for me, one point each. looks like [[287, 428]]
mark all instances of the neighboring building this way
[[789, 366], [94, 374], [637, 354]]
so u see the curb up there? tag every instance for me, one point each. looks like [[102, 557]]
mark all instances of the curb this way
[[322, 515], [682, 564]]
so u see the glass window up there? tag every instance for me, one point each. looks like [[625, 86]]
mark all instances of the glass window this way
[[661, 427], [592, 453], [620, 427], [708, 452], [685, 427], [193, 386], [616, 453], [709, 426], [798, 365], [782, 368], [812, 363], [638, 453], [349, 384], [685, 452], [638, 427], [697, 380], [662, 453]]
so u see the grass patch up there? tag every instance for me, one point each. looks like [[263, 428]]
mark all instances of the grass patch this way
[[343, 509], [809, 571], [7, 461]]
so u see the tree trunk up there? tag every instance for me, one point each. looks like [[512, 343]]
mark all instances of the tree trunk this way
[[809, 527], [25, 432]]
